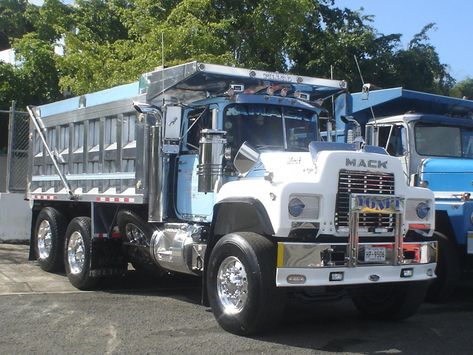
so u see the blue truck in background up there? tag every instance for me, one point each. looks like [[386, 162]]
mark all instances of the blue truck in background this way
[[432, 136]]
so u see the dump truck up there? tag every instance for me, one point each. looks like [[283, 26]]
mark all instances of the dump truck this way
[[432, 136], [220, 172]]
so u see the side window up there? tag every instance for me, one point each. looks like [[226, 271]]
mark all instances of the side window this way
[[197, 120], [383, 135], [397, 141], [369, 135]]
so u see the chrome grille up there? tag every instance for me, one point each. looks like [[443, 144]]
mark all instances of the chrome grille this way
[[363, 182]]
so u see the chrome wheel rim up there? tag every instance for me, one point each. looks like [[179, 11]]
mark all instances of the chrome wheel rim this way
[[44, 239], [76, 253], [232, 285]]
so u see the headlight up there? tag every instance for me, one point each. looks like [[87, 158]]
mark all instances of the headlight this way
[[422, 210], [303, 206], [296, 207]]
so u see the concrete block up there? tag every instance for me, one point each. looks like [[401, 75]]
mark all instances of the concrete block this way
[[15, 217]]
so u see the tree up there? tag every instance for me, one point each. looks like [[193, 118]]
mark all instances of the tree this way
[[13, 21], [331, 40], [463, 89], [111, 42], [51, 20], [419, 68]]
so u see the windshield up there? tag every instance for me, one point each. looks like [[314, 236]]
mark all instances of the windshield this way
[[269, 126], [444, 141]]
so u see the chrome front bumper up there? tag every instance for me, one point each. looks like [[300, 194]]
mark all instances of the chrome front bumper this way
[[331, 264]]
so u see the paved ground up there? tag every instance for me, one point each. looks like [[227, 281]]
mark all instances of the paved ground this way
[[18, 276], [41, 313]]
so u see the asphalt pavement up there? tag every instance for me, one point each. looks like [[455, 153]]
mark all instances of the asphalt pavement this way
[[41, 313]]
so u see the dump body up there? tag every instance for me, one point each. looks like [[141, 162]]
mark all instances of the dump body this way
[[100, 148]]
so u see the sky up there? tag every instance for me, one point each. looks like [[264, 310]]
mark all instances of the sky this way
[[454, 26]]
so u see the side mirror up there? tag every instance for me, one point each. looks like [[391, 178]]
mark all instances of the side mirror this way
[[172, 122], [245, 158]]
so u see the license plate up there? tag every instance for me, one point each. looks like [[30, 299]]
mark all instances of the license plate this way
[[376, 204], [375, 254]]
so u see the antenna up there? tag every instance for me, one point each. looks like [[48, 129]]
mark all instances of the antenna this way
[[366, 87], [162, 49], [329, 123]]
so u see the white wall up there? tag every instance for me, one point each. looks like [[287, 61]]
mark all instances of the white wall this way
[[15, 217]]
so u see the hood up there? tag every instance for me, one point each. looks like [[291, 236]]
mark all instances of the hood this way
[[448, 174], [284, 165]]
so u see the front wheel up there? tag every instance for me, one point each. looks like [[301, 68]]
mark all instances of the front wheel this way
[[448, 270], [241, 284], [390, 301], [78, 254]]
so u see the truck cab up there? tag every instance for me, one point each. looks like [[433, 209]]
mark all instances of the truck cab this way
[[432, 136], [267, 124]]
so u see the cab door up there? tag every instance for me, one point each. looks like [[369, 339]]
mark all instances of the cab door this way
[[192, 205], [392, 137]]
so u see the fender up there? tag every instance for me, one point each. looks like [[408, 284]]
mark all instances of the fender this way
[[230, 215], [240, 215]]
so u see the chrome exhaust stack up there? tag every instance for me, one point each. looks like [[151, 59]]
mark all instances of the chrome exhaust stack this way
[[211, 152]]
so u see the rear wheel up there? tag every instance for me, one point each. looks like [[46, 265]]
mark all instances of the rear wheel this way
[[241, 284], [390, 301], [49, 239], [448, 270], [78, 253], [137, 235]]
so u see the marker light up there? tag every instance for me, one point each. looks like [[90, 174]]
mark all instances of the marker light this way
[[295, 207], [422, 210], [405, 273]]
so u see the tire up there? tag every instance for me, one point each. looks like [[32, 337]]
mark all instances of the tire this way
[[78, 254], [136, 245], [260, 305], [390, 301], [448, 270], [124, 218], [49, 239]]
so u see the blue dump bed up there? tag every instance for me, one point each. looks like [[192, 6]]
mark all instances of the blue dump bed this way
[[398, 101]]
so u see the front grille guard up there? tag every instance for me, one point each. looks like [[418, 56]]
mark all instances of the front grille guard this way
[[370, 202]]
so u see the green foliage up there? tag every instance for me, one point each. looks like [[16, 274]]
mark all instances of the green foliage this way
[[9, 85], [13, 21], [111, 42], [419, 66], [463, 89]]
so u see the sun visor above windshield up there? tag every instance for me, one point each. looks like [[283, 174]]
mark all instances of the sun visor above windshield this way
[[193, 81]]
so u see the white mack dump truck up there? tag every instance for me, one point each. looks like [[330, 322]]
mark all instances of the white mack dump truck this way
[[220, 172]]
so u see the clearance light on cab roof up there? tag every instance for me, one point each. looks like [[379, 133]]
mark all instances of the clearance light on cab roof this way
[[302, 95]]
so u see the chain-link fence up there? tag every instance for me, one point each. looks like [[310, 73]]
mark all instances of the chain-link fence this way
[[14, 154]]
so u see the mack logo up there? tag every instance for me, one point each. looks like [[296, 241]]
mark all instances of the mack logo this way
[[362, 163]]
